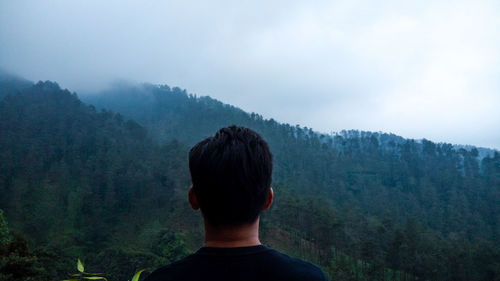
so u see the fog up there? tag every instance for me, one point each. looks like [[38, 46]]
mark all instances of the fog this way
[[417, 69]]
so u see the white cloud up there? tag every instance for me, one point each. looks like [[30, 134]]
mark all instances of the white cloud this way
[[416, 68]]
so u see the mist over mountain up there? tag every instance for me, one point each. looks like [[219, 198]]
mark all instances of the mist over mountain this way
[[11, 84], [144, 102], [416, 69], [106, 180]]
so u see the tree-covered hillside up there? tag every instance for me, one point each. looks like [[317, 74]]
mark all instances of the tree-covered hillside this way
[[87, 183], [452, 194], [81, 182], [352, 169]]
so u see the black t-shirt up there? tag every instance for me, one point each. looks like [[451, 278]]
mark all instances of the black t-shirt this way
[[253, 263]]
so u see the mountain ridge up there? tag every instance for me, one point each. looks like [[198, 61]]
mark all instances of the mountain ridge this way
[[146, 90], [10, 83]]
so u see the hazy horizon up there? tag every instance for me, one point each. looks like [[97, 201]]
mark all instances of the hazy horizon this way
[[415, 70]]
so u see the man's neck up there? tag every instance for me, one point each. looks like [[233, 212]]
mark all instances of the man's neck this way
[[232, 236]]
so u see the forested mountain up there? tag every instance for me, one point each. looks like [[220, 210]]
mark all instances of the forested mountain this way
[[81, 182], [352, 169]]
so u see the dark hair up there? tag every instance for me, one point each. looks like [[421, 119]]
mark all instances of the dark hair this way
[[231, 175]]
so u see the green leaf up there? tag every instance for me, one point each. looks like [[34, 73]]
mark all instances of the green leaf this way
[[136, 276], [79, 265], [95, 278], [75, 275]]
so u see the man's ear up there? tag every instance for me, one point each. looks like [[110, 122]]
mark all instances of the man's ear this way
[[192, 199], [269, 201]]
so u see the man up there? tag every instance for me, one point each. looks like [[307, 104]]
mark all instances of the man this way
[[231, 176]]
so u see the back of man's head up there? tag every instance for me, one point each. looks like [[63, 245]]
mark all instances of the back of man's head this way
[[231, 176]]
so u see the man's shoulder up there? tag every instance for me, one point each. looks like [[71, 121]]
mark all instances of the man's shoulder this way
[[262, 263], [295, 268], [171, 269]]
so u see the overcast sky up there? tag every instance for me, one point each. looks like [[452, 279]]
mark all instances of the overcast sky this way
[[419, 69]]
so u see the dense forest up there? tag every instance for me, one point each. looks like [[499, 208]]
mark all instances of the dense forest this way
[[105, 180]]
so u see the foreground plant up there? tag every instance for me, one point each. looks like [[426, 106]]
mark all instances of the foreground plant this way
[[94, 276]]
